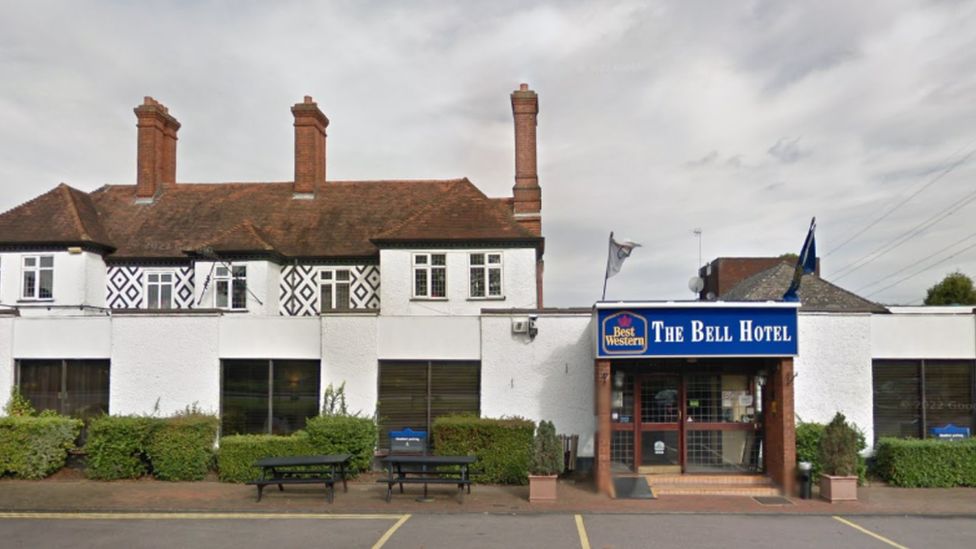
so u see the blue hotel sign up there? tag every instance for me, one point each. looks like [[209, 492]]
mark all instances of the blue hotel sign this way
[[697, 331]]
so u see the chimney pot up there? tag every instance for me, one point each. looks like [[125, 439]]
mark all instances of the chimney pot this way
[[523, 87], [308, 99]]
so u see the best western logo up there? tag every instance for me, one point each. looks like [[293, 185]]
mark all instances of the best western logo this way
[[624, 332]]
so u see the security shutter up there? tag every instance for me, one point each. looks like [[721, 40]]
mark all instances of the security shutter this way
[[897, 399]]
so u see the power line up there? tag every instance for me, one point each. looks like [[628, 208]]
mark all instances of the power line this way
[[907, 199], [903, 238], [905, 268], [923, 270]]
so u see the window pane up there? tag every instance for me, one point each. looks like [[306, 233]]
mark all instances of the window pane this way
[[948, 394], [166, 277], [296, 395], [86, 388], [153, 296], [420, 283], [222, 271], [477, 259], [239, 298], [494, 282], [325, 298], [897, 406], [152, 277], [165, 296], [30, 283], [47, 261], [477, 282], [325, 275], [342, 296], [222, 294], [40, 382], [244, 398], [420, 259], [46, 289], [438, 259], [438, 282], [30, 262], [342, 275], [494, 258], [240, 271]]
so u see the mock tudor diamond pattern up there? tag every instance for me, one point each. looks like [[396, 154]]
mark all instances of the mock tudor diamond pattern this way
[[125, 287], [298, 290]]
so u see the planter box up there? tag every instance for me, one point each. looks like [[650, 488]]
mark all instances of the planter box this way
[[838, 488], [542, 488]]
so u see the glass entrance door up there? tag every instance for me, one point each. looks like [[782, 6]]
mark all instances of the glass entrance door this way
[[659, 426], [722, 431]]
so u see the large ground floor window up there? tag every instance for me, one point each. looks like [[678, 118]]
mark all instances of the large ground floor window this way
[[415, 393], [911, 397], [77, 388], [268, 396]]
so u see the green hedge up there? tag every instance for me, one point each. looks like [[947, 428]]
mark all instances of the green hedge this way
[[182, 447], [808, 448], [503, 446], [237, 454], [117, 446], [344, 435], [35, 447], [926, 463]]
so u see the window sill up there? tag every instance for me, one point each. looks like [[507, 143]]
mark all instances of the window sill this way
[[491, 298], [38, 300], [428, 299]]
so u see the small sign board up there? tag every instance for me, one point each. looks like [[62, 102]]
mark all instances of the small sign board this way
[[950, 432], [408, 440]]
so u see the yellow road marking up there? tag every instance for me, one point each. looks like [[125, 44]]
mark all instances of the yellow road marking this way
[[869, 532], [191, 516], [389, 533], [584, 540]]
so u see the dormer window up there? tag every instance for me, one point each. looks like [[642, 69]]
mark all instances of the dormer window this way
[[430, 276], [231, 282], [485, 271], [159, 290], [334, 290], [38, 277]]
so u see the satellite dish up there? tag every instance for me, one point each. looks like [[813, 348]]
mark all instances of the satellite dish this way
[[696, 284]]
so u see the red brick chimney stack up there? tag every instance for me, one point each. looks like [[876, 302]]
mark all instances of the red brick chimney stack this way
[[310, 136], [528, 194], [156, 156]]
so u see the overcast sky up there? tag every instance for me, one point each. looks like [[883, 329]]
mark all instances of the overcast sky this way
[[745, 119]]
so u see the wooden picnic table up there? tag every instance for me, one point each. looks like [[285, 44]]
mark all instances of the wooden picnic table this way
[[325, 470], [414, 469]]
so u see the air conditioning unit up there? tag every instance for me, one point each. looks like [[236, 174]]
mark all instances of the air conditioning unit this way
[[520, 325]]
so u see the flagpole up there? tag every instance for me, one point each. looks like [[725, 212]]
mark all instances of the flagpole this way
[[606, 272]]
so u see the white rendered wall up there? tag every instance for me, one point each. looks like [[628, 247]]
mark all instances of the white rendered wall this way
[[6, 359], [62, 337], [833, 370], [95, 280], [429, 338], [170, 359], [550, 377], [71, 275], [244, 336], [9, 278], [936, 335], [349, 355], [396, 283]]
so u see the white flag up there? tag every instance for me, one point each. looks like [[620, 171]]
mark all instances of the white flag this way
[[619, 251]]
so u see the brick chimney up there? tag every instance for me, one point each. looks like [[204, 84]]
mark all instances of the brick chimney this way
[[310, 136], [528, 194], [156, 157]]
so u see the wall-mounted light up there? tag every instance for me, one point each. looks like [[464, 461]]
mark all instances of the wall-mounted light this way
[[533, 329]]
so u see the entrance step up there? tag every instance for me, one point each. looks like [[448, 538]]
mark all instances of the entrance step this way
[[712, 485]]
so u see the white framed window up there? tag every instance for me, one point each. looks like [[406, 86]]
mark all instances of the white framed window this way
[[485, 272], [231, 282], [334, 285], [38, 277], [430, 275], [159, 289]]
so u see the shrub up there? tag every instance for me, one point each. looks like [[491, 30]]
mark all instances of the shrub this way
[[838, 448], [547, 458], [182, 447], [344, 434], [808, 445], [503, 446], [928, 463], [118, 446], [237, 453], [35, 447], [19, 405]]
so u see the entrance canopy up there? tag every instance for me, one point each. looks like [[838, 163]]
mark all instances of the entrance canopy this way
[[695, 329]]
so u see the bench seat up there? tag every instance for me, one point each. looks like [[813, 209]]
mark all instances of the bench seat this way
[[280, 481]]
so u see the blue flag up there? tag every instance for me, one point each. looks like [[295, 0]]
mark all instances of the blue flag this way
[[805, 264]]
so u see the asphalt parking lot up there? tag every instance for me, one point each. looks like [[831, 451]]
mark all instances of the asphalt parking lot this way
[[225, 530]]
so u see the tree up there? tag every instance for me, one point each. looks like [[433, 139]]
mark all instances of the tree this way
[[955, 289]]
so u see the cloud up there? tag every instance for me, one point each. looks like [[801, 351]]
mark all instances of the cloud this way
[[787, 151]]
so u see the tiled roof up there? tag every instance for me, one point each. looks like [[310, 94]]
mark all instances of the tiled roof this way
[[342, 220], [816, 294], [63, 215]]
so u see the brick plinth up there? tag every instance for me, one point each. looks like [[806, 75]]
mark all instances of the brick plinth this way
[[603, 434]]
